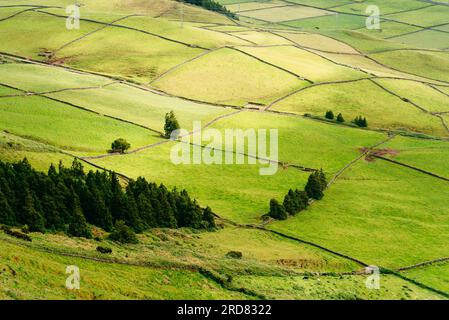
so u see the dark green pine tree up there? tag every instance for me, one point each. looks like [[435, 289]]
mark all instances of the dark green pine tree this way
[[290, 204], [171, 124], [146, 210], [209, 218], [7, 216], [340, 118], [78, 226], [31, 216], [323, 179], [314, 186], [277, 211], [329, 115], [364, 123], [53, 219], [302, 198]]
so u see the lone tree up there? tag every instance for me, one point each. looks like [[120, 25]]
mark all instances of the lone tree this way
[[340, 118], [277, 210], [329, 115], [122, 233], [316, 185], [120, 145], [171, 124]]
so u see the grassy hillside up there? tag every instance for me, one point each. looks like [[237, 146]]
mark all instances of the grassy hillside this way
[[281, 65]]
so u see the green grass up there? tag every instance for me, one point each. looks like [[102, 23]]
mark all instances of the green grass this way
[[285, 13], [381, 213], [386, 7], [426, 17], [424, 154], [425, 39], [382, 109], [421, 94], [30, 274], [39, 119], [300, 140], [329, 22], [319, 42], [213, 78], [305, 64], [335, 288], [389, 29], [234, 191], [433, 65], [435, 275], [20, 33], [37, 78]]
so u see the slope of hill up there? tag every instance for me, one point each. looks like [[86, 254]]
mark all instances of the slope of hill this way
[[68, 94]]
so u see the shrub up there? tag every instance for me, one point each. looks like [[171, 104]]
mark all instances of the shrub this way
[[329, 115], [123, 234], [277, 210], [104, 250], [340, 118], [171, 124], [17, 234], [234, 255], [120, 145]]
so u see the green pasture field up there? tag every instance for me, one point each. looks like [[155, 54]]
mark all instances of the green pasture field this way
[[141, 107], [421, 94], [304, 63], [235, 191], [218, 81], [187, 33], [321, 3], [300, 139], [432, 39], [37, 118], [384, 214], [30, 274], [364, 98], [426, 17], [389, 29], [329, 22], [40, 78], [348, 287], [318, 42], [424, 154], [261, 38], [386, 7], [254, 5], [186, 248], [435, 275], [127, 53], [280, 14], [18, 35], [434, 65]]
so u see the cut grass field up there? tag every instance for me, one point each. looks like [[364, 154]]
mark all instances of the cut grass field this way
[[279, 14], [349, 287], [234, 191], [433, 65], [435, 275], [304, 63], [218, 80], [382, 109], [38, 118], [381, 213], [432, 39], [424, 154]]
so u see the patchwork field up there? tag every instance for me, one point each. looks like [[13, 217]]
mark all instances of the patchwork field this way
[[68, 94]]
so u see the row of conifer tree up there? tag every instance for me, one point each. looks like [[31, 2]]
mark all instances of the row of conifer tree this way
[[68, 199]]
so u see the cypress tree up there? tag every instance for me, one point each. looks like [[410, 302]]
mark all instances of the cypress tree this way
[[290, 204], [6, 214], [78, 226], [31, 216], [340, 118], [329, 115], [171, 124], [209, 218], [314, 186], [277, 211]]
